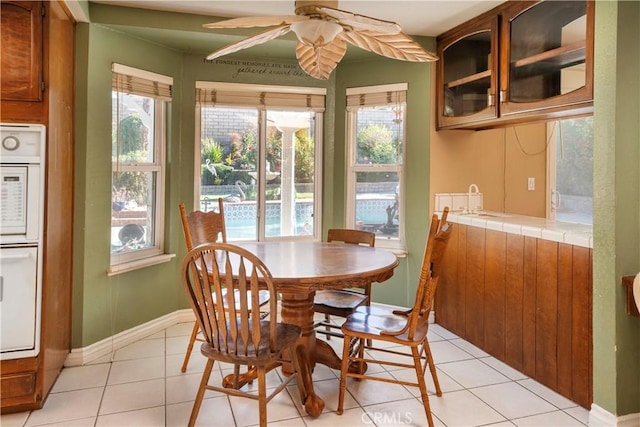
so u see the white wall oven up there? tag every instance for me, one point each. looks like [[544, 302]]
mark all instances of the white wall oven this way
[[22, 162]]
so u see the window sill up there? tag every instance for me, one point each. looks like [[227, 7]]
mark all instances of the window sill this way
[[139, 263]]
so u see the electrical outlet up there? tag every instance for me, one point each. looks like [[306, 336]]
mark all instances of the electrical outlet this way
[[531, 183]]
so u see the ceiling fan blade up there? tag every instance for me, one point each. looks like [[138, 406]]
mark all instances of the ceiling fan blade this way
[[320, 61], [396, 46], [256, 21], [361, 22], [259, 38]]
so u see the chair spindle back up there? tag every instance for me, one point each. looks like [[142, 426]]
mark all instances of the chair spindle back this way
[[203, 227]]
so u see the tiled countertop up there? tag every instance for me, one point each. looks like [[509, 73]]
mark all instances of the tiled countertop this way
[[542, 228]]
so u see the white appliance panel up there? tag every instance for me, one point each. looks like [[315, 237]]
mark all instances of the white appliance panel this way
[[19, 301]]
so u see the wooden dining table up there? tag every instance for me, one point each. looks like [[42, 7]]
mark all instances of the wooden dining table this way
[[299, 269]]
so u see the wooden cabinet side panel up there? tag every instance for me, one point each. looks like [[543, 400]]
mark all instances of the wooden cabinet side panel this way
[[565, 316], [494, 293], [547, 313], [529, 307], [474, 286], [445, 302], [460, 294], [514, 272], [582, 326], [57, 271]]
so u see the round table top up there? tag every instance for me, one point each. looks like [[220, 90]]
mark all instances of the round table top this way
[[322, 265]]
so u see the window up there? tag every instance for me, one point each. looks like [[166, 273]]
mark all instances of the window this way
[[375, 188], [571, 170], [259, 148], [139, 101]]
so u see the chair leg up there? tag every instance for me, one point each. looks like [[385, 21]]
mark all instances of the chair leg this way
[[200, 395], [327, 319], [417, 362], [194, 334], [262, 396], [343, 373], [432, 368]]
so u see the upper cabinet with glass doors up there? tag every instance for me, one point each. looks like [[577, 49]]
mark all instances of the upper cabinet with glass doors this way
[[544, 65]]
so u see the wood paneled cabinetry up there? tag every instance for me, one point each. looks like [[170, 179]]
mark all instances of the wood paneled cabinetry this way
[[37, 48], [522, 61], [525, 301], [22, 53]]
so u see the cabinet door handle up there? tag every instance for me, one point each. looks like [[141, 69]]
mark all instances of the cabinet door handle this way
[[503, 96], [1, 287], [490, 100]]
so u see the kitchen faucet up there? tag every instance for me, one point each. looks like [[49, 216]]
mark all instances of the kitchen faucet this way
[[469, 209]]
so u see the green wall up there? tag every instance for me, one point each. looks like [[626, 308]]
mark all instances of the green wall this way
[[616, 336]]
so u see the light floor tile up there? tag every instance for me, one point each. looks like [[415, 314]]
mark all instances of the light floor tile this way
[[128, 371], [446, 383], [183, 388], [462, 408], [444, 351], [82, 422], [281, 407], [355, 417], [132, 396], [512, 400], [472, 373], [178, 345], [469, 348], [504, 369], [213, 412], [368, 392], [140, 417], [157, 335], [173, 365], [180, 329], [107, 358], [140, 349], [80, 377], [579, 413], [547, 394], [433, 336], [293, 422], [550, 419], [13, 420], [67, 406], [444, 333], [401, 413]]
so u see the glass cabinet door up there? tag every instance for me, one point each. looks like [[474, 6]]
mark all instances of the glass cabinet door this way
[[549, 61], [467, 77]]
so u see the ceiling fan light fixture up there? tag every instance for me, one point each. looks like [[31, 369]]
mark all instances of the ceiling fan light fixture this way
[[316, 32]]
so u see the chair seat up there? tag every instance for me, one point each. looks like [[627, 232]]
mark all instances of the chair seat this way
[[329, 300], [373, 321], [286, 335]]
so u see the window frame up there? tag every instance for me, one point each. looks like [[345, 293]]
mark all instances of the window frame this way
[[257, 92], [396, 245], [154, 254]]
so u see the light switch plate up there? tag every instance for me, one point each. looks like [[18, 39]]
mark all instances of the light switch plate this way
[[531, 183]]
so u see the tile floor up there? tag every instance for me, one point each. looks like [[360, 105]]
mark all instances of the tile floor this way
[[141, 385]]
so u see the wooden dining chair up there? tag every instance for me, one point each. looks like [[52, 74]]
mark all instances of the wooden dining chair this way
[[342, 302], [230, 321], [399, 327], [205, 227]]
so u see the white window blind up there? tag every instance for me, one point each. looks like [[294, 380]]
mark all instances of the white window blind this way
[[139, 82], [260, 96], [377, 95]]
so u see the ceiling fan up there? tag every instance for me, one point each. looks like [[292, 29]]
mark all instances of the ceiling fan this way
[[323, 32]]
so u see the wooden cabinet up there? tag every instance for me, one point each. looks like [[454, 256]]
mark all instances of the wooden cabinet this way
[[25, 383], [525, 301], [22, 53], [522, 61]]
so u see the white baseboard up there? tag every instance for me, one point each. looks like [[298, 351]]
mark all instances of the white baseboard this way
[[599, 417], [84, 355]]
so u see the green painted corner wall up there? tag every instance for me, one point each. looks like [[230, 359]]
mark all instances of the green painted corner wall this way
[[616, 336], [104, 306]]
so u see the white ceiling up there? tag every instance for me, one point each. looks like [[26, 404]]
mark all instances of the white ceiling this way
[[416, 17]]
